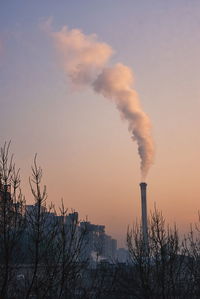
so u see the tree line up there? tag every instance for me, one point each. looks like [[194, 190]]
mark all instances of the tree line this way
[[42, 256]]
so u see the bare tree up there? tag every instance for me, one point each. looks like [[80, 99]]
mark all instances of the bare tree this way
[[41, 232], [11, 219], [158, 272], [54, 246], [191, 250], [70, 249], [50, 252]]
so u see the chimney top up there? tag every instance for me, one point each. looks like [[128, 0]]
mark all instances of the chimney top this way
[[143, 184]]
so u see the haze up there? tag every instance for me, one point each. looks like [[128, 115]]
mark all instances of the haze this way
[[84, 147]]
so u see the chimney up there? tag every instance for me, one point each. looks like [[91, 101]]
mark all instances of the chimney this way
[[143, 187]]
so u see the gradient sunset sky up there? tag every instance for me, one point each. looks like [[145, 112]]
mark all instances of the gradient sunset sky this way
[[83, 146]]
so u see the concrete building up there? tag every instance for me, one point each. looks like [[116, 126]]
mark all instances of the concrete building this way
[[97, 241]]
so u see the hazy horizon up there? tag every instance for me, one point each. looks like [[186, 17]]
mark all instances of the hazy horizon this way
[[83, 145]]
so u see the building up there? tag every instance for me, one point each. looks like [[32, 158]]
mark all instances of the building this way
[[98, 244]]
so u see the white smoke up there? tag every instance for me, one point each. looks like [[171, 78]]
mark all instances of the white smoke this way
[[116, 83], [82, 56], [84, 60]]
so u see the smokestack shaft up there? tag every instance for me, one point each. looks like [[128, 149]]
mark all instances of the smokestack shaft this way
[[144, 214]]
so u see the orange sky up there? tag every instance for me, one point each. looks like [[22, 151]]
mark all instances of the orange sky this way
[[84, 147]]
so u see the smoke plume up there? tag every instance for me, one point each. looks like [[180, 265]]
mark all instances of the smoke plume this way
[[84, 60], [82, 56]]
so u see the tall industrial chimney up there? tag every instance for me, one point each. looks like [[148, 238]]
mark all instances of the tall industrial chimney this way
[[143, 187]]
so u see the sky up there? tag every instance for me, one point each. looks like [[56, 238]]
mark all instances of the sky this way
[[83, 145]]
